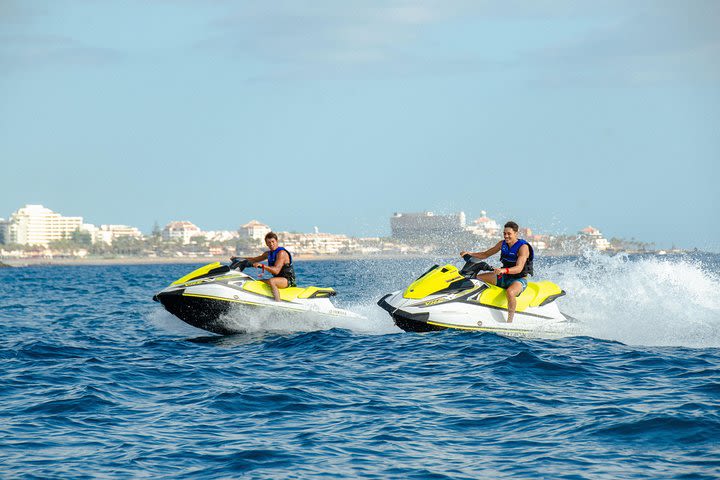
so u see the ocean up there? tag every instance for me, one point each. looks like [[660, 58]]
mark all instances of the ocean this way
[[98, 381]]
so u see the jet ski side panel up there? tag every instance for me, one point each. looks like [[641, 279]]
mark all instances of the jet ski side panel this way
[[204, 271], [410, 322], [199, 312], [434, 280]]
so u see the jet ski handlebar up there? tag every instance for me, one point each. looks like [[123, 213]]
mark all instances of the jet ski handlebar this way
[[240, 263], [473, 266]]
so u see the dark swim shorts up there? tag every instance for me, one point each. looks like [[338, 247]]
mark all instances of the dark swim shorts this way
[[505, 281]]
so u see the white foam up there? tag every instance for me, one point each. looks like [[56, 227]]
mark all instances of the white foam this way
[[644, 301], [168, 323], [654, 300], [271, 320]]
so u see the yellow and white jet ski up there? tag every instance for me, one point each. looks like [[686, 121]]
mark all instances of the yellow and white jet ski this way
[[218, 298], [445, 297]]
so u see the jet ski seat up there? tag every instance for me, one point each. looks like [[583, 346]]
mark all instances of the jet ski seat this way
[[291, 293], [535, 295]]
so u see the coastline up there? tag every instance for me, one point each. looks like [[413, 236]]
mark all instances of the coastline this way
[[89, 261]]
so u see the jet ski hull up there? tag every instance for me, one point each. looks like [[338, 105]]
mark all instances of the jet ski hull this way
[[222, 300], [444, 297], [203, 313]]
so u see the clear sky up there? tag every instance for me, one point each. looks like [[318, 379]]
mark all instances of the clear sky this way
[[557, 114]]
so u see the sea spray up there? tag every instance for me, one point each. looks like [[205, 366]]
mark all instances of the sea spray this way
[[644, 300], [634, 299]]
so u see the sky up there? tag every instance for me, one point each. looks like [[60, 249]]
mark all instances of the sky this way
[[556, 114]]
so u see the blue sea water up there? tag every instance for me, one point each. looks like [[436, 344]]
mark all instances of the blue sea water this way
[[99, 381]]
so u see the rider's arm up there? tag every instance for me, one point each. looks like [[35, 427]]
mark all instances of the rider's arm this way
[[282, 259], [487, 253], [259, 258], [523, 255]]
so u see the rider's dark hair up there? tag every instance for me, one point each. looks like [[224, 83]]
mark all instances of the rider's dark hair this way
[[270, 235], [512, 225]]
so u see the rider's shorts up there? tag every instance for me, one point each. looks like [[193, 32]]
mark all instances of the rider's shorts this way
[[504, 282]]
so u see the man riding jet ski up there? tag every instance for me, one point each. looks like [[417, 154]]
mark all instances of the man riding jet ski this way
[[444, 297], [279, 265], [218, 298], [517, 257]]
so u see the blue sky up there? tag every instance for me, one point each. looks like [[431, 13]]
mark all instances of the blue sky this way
[[557, 114]]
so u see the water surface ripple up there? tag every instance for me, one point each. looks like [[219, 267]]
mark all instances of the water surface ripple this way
[[99, 381]]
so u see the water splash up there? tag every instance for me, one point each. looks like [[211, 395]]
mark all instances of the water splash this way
[[272, 320], [639, 300], [647, 300]]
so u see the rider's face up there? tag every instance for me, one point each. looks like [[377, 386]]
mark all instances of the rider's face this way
[[272, 243], [509, 235]]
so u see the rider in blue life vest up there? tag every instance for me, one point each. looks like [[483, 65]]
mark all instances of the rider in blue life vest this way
[[516, 256], [279, 264]]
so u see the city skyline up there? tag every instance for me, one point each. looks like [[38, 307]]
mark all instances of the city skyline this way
[[37, 232], [556, 115], [62, 225]]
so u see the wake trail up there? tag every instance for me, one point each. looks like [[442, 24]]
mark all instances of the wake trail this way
[[644, 301]]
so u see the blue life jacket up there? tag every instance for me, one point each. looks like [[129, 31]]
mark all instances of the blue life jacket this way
[[272, 255], [509, 258]]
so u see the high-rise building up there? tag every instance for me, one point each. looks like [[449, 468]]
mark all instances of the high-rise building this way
[[37, 225], [411, 225]]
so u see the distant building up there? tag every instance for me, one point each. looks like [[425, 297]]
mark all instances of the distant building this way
[[220, 235], [413, 225], [316, 243], [3, 231], [37, 225], [109, 233], [180, 230], [485, 227], [593, 236], [254, 230]]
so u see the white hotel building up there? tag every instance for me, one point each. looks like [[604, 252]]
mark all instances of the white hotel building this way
[[181, 230], [109, 233], [37, 225]]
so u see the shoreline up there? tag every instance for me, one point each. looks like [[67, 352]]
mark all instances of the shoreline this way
[[89, 261], [31, 262]]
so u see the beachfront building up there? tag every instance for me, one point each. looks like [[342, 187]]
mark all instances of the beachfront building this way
[[181, 230], [255, 230], [220, 235], [37, 225], [426, 224], [109, 233], [3, 231], [484, 227], [538, 242], [594, 238], [317, 243]]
